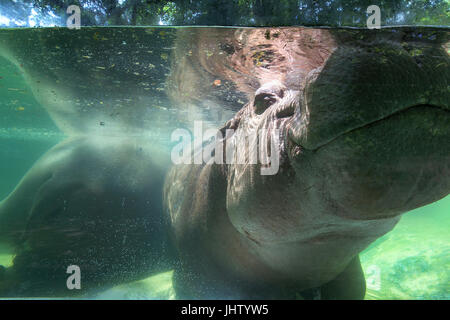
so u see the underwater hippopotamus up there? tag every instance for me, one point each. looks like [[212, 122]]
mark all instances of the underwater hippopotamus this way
[[363, 131], [360, 119]]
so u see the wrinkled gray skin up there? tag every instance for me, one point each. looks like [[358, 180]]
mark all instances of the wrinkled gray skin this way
[[365, 139]]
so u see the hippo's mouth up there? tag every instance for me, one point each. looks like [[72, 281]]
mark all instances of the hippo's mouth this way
[[385, 167], [423, 108]]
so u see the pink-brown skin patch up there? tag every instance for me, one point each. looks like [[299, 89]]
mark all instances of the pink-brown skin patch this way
[[246, 58]]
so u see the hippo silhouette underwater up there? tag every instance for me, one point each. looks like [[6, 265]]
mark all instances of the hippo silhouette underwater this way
[[361, 121]]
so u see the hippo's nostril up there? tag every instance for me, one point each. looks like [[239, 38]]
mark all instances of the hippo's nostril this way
[[267, 95], [262, 101]]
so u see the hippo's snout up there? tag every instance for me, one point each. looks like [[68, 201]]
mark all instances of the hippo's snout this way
[[373, 129], [360, 85]]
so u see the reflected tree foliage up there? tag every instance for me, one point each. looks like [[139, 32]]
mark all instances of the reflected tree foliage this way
[[224, 12]]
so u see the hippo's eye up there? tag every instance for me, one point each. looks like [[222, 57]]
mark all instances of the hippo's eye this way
[[263, 100]]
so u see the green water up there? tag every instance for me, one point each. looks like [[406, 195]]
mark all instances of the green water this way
[[410, 262], [413, 259]]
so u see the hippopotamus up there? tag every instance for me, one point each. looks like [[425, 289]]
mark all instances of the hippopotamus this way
[[360, 122], [363, 137]]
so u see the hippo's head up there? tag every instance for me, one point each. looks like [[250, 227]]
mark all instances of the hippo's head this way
[[363, 120], [363, 136]]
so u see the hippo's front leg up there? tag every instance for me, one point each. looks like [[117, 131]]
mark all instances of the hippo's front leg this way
[[90, 202], [348, 285]]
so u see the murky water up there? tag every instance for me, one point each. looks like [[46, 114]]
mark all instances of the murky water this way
[[128, 83]]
